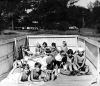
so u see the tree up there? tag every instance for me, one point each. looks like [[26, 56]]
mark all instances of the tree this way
[[7, 7]]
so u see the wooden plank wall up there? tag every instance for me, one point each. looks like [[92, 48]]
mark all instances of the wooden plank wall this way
[[7, 52], [92, 52], [58, 39]]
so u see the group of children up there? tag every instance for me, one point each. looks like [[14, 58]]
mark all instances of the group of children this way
[[63, 61]]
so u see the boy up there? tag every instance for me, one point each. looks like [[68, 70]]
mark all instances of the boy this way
[[35, 75], [80, 60], [24, 76], [50, 72]]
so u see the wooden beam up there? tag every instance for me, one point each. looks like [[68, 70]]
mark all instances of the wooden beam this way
[[98, 66], [15, 43]]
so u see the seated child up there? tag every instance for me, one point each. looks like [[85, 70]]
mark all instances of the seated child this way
[[50, 66], [64, 47], [64, 57], [70, 59], [24, 76], [54, 50], [38, 49], [80, 60], [43, 48], [35, 75], [28, 55], [58, 61]]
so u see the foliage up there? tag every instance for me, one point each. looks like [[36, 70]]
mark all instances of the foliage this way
[[51, 14]]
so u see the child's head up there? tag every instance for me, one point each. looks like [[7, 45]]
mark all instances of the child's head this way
[[62, 53], [48, 51], [44, 44], [64, 43], [26, 68], [53, 45], [80, 51], [38, 45], [37, 66], [70, 52]]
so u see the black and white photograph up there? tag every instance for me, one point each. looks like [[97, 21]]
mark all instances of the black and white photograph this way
[[49, 42]]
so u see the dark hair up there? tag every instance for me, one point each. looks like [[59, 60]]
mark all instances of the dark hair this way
[[48, 50], [53, 44], [65, 43], [44, 43], [61, 51], [37, 64], [25, 66], [70, 51]]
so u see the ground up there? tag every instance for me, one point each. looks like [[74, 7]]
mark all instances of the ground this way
[[64, 80], [6, 34]]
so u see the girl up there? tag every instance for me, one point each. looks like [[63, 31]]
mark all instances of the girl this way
[[70, 60], [64, 47], [43, 48], [54, 50], [38, 49]]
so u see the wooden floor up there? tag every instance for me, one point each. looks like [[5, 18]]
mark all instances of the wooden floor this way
[[64, 80]]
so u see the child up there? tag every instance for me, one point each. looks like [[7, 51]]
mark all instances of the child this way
[[24, 76], [38, 49], [50, 72], [64, 47], [35, 75], [54, 50], [64, 57], [70, 60], [43, 48], [80, 60]]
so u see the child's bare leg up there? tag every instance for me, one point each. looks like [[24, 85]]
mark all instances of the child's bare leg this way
[[74, 66], [86, 69], [70, 66]]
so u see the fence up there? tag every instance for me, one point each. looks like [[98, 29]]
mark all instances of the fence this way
[[58, 39], [92, 53], [8, 50]]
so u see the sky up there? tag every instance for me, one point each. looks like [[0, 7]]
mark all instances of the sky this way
[[84, 3]]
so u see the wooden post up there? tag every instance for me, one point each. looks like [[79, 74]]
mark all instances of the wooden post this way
[[85, 47], [98, 69], [15, 41], [76, 42]]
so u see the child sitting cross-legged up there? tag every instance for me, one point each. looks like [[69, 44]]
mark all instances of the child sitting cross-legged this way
[[69, 66], [80, 61]]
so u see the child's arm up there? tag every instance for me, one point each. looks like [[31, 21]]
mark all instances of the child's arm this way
[[75, 61], [84, 59], [11, 72], [19, 79], [31, 77]]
